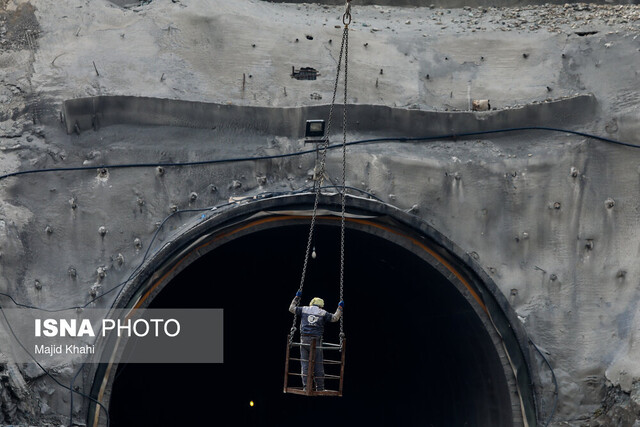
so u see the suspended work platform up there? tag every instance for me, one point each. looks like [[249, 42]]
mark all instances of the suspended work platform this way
[[333, 369]]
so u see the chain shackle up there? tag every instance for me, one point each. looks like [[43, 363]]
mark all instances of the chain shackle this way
[[346, 18]]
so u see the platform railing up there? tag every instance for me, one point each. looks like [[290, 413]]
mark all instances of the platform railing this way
[[310, 389]]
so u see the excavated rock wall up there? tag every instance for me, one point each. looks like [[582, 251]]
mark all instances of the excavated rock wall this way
[[551, 216]]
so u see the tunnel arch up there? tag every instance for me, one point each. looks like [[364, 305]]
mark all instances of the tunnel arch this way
[[495, 344]]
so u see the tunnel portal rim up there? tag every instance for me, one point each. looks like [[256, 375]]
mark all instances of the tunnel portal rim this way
[[187, 245]]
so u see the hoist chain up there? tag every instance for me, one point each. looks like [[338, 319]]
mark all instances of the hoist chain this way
[[320, 174], [345, 39]]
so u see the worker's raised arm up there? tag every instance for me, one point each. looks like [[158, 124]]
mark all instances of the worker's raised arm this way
[[336, 316], [295, 302]]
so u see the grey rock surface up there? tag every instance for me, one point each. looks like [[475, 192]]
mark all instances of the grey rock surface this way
[[551, 217]]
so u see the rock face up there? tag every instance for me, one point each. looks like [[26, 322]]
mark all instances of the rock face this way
[[550, 217], [445, 4], [619, 408]]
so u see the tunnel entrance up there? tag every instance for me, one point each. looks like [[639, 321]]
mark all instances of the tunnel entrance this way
[[419, 353]]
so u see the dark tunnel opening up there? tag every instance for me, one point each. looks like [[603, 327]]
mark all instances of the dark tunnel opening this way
[[418, 355]]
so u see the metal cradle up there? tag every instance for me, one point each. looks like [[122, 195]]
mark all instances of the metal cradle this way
[[334, 369]]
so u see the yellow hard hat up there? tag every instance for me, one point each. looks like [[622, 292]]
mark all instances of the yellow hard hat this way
[[317, 301]]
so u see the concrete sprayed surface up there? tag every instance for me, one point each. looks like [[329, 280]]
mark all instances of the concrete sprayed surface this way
[[552, 218]]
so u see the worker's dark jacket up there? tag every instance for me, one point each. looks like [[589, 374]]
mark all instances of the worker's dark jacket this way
[[312, 320]]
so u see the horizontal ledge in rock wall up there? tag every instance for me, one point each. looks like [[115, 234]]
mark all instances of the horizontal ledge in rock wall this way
[[82, 114]]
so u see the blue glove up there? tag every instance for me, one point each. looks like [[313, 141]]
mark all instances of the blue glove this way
[[298, 294], [341, 304]]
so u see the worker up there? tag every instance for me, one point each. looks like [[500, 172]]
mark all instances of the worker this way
[[312, 320]]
